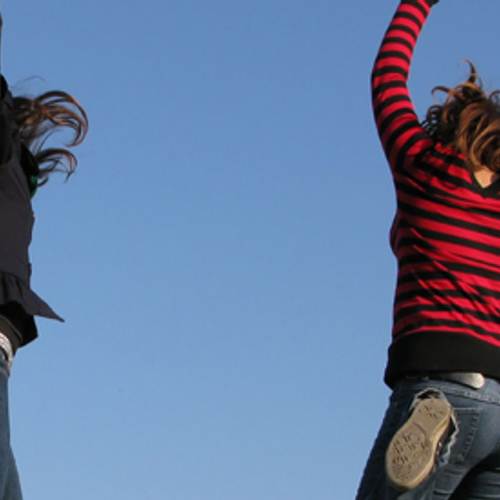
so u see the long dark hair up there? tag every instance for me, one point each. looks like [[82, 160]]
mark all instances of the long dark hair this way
[[468, 120], [37, 118]]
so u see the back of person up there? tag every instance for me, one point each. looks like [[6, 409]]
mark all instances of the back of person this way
[[25, 164], [436, 441]]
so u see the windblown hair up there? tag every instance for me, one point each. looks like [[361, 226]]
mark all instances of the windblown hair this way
[[469, 121], [38, 118]]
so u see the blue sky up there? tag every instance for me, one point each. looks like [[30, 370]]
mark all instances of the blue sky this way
[[221, 256]]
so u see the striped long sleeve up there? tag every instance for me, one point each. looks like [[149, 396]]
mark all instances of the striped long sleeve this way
[[446, 233]]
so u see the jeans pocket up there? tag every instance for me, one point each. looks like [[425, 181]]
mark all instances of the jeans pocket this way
[[467, 423]]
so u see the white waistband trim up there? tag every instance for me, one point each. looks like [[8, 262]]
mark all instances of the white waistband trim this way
[[6, 347]]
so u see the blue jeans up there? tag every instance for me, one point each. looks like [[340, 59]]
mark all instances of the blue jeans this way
[[468, 467], [10, 488]]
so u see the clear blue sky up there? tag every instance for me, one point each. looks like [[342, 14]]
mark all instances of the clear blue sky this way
[[221, 257]]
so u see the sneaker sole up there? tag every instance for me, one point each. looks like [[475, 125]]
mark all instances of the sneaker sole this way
[[412, 451]]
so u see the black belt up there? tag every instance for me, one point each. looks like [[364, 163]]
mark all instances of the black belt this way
[[470, 379]]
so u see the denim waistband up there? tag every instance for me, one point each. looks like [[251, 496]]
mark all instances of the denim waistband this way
[[474, 380]]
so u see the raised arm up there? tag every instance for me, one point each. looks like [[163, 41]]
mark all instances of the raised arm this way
[[398, 126], [5, 121], [1, 28]]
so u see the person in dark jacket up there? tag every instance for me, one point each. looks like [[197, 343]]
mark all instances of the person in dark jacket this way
[[440, 438], [25, 164]]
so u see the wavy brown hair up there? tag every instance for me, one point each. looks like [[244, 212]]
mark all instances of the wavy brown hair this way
[[469, 121], [39, 117]]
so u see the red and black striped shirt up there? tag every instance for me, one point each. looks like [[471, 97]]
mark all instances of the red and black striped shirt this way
[[446, 233]]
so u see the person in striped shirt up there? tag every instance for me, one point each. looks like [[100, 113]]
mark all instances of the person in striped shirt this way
[[440, 437]]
